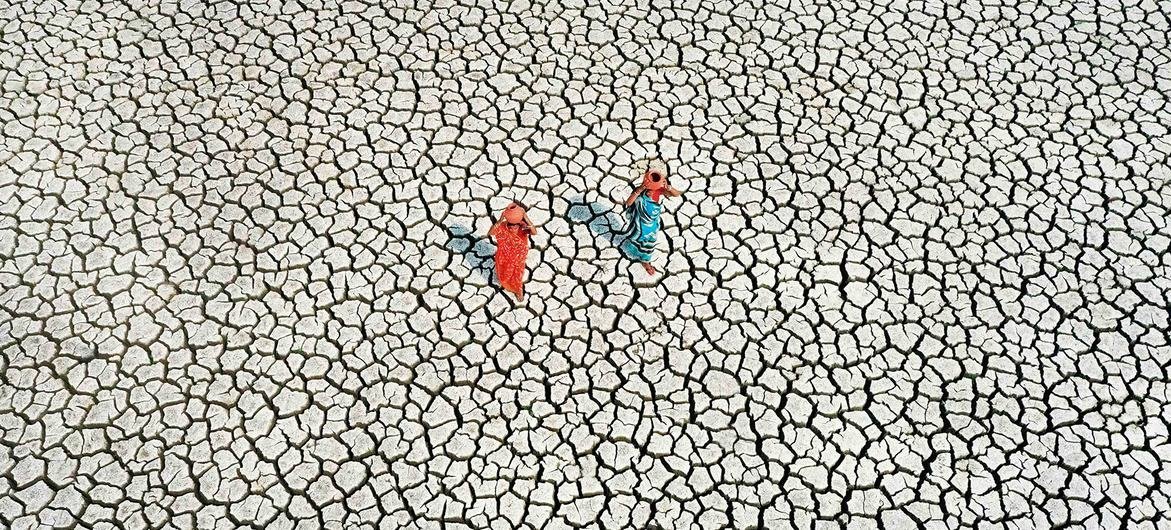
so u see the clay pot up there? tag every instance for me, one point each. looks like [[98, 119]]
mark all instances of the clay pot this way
[[654, 180], [514, 214]]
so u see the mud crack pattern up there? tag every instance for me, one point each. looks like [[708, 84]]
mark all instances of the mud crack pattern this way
[[918, 277]]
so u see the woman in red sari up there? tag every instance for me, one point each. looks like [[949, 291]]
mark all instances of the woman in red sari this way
[[512, 233]]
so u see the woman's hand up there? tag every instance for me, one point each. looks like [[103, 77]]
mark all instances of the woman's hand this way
[[672, 192]]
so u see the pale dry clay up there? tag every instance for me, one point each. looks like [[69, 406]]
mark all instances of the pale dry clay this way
[[918, 276]]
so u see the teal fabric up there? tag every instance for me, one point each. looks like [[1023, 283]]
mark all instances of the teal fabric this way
[[643, 231]]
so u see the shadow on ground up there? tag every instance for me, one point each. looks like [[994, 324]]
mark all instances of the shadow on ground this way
[[478, 251]]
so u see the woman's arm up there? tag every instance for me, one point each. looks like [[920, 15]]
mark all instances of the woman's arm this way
[[633, 195], [672, 192], [531, 225], [495, 227]]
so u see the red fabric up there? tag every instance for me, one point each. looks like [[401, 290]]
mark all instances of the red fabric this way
[[512, 247], [655, 194]]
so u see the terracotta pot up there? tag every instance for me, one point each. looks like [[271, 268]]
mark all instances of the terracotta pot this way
[[514, 214], [654, 180]]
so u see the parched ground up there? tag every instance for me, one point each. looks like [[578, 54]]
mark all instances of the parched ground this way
[[919, 276]]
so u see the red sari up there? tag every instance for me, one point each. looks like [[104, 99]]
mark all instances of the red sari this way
[[512, 248]]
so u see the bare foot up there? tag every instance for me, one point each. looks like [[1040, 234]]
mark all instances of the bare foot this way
[[650, 269]]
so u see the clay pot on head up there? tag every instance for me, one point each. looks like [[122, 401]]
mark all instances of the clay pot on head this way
[[514, 213], [654, 179]]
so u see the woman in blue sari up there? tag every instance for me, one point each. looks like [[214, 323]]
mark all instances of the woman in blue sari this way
[[645, 209]]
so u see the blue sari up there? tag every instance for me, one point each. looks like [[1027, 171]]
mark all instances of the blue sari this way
[[643, 230]]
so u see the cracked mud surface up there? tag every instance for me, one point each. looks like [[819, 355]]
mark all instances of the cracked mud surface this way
[[919, 275]]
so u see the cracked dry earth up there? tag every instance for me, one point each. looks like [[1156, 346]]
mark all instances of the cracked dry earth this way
[[918, 277]]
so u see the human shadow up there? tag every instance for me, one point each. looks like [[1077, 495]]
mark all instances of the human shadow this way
[[601, 219], [478, 251]]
